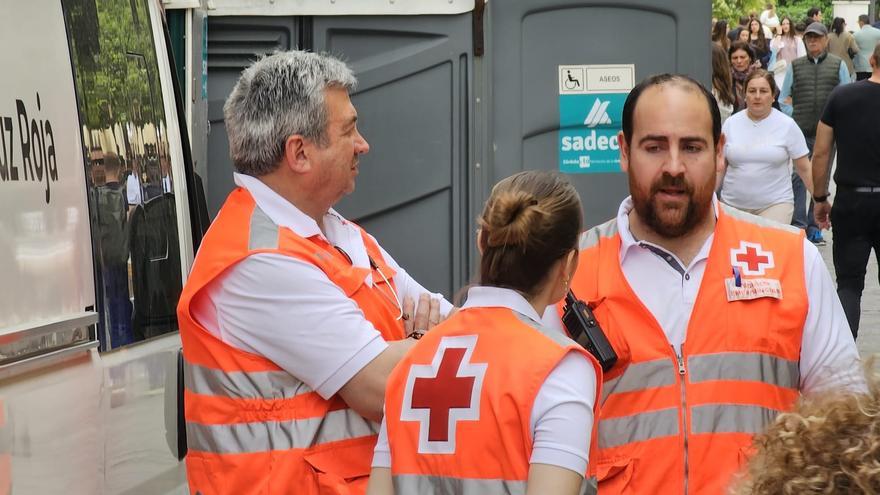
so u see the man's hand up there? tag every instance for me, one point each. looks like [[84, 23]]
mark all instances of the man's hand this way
[[424, 317], [821, 214]]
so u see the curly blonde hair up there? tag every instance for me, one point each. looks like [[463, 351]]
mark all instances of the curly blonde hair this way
[[830, 444]]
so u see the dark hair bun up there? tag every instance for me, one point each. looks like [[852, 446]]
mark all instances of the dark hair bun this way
[[511, 217]]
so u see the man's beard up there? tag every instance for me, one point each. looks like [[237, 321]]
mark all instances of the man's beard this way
[[671, 220]]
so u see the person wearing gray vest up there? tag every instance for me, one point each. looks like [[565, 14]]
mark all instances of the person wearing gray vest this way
[[808, 82]]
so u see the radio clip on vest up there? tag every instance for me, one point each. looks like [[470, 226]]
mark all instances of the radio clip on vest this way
[[584, 329]]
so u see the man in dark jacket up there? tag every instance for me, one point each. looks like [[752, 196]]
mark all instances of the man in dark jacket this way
[[809, 81]]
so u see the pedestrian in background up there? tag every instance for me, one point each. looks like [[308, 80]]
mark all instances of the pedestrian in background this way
[[851, 120], [760, 144], [733, 34], [842, 44], [814, 14], [785, 46], [760, 44], [719, 34], [867, 38], [742, 63], [722, 82], [769, 19], [808, 82]]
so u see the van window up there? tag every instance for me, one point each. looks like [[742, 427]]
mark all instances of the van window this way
[[133, 218]]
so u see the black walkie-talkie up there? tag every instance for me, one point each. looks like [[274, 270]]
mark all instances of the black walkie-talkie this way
[[585, 330]]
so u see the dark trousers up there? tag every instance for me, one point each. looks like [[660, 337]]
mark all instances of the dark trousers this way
[[118, 305], [802, 217], [861, 76], [855, 218]]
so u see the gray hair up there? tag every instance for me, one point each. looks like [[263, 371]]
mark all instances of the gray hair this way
[[276, 97]]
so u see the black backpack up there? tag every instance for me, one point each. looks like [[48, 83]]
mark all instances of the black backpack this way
[[113, 223]]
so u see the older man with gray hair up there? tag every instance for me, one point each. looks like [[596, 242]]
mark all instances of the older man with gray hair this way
[[293, 316]]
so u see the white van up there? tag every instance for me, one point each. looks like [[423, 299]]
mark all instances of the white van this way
[[96, 240]]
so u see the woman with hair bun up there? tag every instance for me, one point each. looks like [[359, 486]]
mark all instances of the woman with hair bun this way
[[489, 401]]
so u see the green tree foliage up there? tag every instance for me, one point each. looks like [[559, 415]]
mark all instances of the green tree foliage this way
[[731, 10], [116, 69], [797, 9]]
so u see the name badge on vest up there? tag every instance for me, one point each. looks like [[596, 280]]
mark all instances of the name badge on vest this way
[[752, 288], [751, 259]]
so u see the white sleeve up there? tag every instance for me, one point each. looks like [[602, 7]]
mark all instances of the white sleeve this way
[[407, 286], [801, 47], [133, 190], [289, 312], [795, 142], [829, 357], [382, 452], [562, 415]]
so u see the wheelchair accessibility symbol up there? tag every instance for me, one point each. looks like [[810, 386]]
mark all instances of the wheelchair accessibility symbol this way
[[571, 80]]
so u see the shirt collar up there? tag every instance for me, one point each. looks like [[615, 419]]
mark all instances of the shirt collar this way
[[282, 212], [497, 297], [819, 59], [628, 240]]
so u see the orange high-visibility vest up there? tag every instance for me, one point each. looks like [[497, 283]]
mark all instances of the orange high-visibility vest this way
[[458, 406], [252, 428], [670, 425]]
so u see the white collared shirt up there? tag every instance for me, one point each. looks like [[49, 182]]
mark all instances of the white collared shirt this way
[[668, 289], [288, 311], [561, 421]]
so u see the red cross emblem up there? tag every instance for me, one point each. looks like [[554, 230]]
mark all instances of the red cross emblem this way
[[440, 394], [751, 258]]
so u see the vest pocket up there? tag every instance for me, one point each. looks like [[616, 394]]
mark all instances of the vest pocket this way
[[614, 476], [342, 468]]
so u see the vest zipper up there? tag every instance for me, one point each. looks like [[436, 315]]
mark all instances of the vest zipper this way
[[681, 373]]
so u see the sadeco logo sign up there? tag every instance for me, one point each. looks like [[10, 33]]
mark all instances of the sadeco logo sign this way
[[588, 132]]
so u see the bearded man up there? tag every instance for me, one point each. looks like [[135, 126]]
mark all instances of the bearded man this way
[[720, 319]]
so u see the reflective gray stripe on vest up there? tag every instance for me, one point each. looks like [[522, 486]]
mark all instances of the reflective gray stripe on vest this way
[[614, 432], [591, 237], [640, 376], [426, 485], [756, 220], [263, 232], [731, 418], [240, 438], [554, 335], [590, 486], [744, 366], [267, 385]]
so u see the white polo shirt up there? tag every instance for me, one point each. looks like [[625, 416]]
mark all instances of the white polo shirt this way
[[288, 311], [561, 421], [668, 289], [758, 154]]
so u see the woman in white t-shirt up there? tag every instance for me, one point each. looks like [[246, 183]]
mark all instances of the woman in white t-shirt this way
[[760, 144]]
